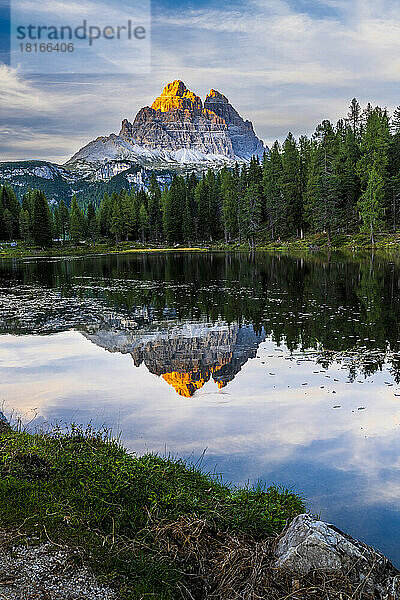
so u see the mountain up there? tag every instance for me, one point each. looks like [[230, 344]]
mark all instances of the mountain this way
[[178, 132], [60, 183]]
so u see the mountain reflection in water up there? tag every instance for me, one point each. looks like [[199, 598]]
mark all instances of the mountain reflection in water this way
[[287, 369], [326, 304], [186, 357]]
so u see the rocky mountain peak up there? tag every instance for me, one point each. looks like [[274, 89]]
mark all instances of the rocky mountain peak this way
[[176, 96], [245, 143], [177, 129], [216, 96]]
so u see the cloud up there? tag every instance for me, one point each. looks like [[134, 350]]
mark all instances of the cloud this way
[[52, 119], [17, 94], [282, 67]]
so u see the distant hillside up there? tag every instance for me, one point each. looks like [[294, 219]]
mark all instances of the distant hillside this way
[[60, 183]]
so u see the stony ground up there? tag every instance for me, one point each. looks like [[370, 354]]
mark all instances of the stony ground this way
[[45, 572]]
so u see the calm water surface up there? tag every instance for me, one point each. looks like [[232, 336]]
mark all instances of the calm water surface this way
[[284, 369]]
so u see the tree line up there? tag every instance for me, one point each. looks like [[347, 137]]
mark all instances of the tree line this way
[[344, 179]]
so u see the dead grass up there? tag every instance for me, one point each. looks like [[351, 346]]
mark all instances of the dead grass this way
[[223, 566]]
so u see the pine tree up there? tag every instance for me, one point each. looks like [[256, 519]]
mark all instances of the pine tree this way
[[129, 222], [370, 204], [57, 229], [187, 221], [312, 195], [252, 208], [189, 224], [64, 220], [375, 145], [242, 184], [144, 222], [104, 216], [11, 210], [25, 225], [76, 221], [394, 176], [375, 148], [117, 217], [154, 210], [395, 121], [229, 204], [326, 139], [347, 181], [8, 221], [354, 117], [91, 223], [290, 185], [41, 223], [213, 212], [173, 206], [274, 200], [203, 210], [304, 166]]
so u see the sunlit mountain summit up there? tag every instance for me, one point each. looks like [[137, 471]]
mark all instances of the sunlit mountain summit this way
[[178, 133], [177, 129]]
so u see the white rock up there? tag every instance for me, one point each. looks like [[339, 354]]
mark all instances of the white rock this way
[[308, 544]]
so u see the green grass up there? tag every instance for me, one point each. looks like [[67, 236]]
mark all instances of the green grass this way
[[311, 242], [85, 491], [24, 250]]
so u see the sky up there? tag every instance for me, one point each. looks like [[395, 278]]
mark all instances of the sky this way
[[283, 64]]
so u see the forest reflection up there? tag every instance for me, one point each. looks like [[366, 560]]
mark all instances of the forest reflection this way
[[340, 308]]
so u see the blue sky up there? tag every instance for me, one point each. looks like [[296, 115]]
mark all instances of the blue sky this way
[[284, 64]]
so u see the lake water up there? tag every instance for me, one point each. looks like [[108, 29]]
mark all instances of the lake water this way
[[263, 367]]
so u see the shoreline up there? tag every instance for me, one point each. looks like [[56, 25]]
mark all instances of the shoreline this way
[[310, 245], [79, 513], [138, 523]]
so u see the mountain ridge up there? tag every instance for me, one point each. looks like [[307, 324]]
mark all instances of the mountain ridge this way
[[178, 129], [178, 134]]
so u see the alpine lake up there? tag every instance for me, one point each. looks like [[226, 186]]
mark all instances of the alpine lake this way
[[259, 367]]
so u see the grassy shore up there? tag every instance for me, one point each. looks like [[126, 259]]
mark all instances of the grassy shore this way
[[384, 242], [148, 526], [320, 242], [24, 250]]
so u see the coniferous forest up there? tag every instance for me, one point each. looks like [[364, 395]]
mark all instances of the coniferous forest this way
[[344, 179]]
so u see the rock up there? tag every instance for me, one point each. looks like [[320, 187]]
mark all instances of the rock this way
[[180, 128], [174, 96], [245, 143], [176, 120], [308, 544]]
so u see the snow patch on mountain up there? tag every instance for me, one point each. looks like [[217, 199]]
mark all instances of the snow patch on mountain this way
[[105, 157]]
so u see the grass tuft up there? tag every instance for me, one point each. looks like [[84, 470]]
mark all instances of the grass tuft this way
[[83, 490]]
